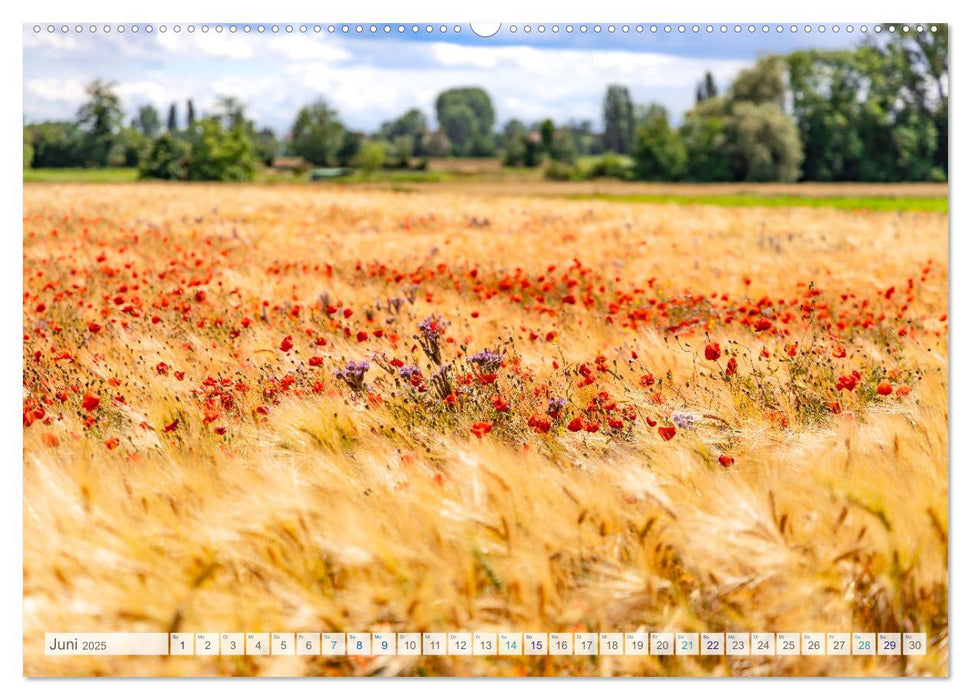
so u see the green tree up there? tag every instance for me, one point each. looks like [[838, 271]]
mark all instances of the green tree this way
[[231, 112], [190, 114], [764, 143], [168, 159], [546, 132], [400, 151], [129, 148], [706, 143], [220, 154], [267, 145], [148, 122], [28, 148], [317, 134], [659, 153], [412, 123], [99, 119], [563, 147], [466, 115], [349, 148], [172, 122], [435, 143], [618, 119], [763, 82], [514, 153], [371, 156], [56, 145]]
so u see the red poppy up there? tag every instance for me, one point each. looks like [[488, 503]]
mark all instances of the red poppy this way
[[726, 460], [847, 382], [481, 428], [90, 402], [763, 324], [712, 351], [539, 424], [575, 425], [500, 405], [646, 380], [361, 336], [171, 426], [94, 327], [112, 442], [884, 389], [667, 431], [732, 368], [286, 345], [316, 361]]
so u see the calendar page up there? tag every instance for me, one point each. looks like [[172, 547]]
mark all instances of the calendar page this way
[[510, 349]]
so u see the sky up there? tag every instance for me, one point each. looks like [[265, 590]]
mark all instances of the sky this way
[[370, 78]]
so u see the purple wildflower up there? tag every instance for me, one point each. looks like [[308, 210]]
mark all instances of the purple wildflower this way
[[353, 374]]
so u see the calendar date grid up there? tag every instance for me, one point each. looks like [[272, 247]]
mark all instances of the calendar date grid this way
[[384, 643]]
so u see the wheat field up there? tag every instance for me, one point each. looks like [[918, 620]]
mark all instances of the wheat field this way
[[573, 416]]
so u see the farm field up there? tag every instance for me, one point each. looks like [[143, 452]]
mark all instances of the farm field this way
[[476, 407]]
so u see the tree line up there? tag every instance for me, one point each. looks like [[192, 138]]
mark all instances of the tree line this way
[[877, 112]]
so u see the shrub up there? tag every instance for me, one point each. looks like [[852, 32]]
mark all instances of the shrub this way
[[168, 159], [221, 154]]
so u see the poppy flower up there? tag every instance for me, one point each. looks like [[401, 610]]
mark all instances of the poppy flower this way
[[846, 382], [575, 425], [667, 432], [884, 389], [763, 324], [112, 442], [94, 327], [726, 460], [171, 426], [500, 405], [539, 424], [361, 336], [316, 361], [90, 402], [646, 380], [712, 351], [286, 345], [481, 428], [732, 368]]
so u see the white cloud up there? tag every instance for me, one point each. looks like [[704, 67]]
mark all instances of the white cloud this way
[[55, 89], [307, 48], [55, 42], [210, 44]]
